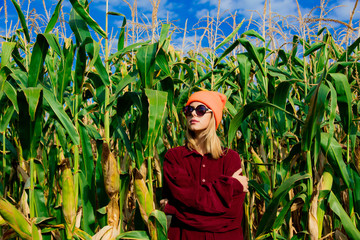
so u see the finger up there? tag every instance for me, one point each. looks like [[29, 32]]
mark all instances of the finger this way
[[239, 171]]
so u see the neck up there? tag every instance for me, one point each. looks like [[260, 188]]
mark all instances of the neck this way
[[200, 145]]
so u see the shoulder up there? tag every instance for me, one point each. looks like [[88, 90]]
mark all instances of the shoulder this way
[[176, 152], [231, 155], [231, 161], [230, 152]]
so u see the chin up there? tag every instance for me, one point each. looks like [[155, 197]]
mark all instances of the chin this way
[[196, 129]]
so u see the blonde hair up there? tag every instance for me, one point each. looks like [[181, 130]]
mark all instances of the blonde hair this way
[[210, 139]]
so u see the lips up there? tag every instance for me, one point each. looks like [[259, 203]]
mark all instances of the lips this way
[[193, 121]]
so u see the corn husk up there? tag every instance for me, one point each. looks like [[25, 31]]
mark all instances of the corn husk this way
[[113, 212], [15, 219], [68, 197], [110, 171]]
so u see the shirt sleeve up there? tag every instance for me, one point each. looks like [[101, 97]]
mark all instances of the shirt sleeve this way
[[232, 164], [210, 197]]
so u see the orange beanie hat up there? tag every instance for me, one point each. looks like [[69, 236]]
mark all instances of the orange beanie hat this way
[[213, 100]]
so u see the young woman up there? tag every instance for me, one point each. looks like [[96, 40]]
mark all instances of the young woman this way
[[204, 188]]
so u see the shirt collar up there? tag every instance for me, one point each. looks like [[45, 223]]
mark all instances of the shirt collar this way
[[189, 152]]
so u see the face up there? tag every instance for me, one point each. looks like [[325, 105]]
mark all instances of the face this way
[[198, 123]]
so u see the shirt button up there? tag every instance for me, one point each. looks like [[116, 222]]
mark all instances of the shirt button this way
[[203, 180], [203, 165]]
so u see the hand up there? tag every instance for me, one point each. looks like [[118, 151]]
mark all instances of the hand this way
[[163, 203], [242, 179]]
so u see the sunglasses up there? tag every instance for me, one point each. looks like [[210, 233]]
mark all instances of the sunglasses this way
[[200, 110]]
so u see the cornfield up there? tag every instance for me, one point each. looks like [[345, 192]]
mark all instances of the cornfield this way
[[84, 129]]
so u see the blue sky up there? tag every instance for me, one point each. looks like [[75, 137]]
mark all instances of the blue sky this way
[[179, 11]]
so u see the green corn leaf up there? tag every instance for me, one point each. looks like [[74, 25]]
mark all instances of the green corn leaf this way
[[350, 49], [87, 155], [124, 137], [87, 195], [62, 116], [163, 35], [326, 183], [227, 51], [344, 98], [260, 190], [253, 33], [6, 52], [116, 14], [80, 66], [157, 106], [244, 68], [33, 99], [78, 7], [54, 18], [53, 41], [81, 31], [279, 99], [30, 112], [132, 47], [10, 92], [79, 27], [334, 155], [146, 64], [82, 234], [268, 219], [261, 168], [338, 209], [61, 136], [5, 119], [245, 111], [209, 75], [253, 54], [315, 115], [64, 74], [281, 217], [230, 36], [40, 202], [15, 219], [128, 79], [37, 60], [162, 61], [159, 219], [138, 235], [121, 39], [333, 105], [314, 48], [190, 72], [22, 20]]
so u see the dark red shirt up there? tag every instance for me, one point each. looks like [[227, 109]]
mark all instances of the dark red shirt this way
[[204, 200]]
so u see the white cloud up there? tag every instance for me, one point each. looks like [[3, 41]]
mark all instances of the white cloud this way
[[202, 13], [246, 7], [144, 7], [343, 10]]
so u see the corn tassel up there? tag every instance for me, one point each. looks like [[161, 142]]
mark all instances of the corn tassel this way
[[15, 219]]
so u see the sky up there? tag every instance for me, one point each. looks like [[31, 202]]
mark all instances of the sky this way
[[189, 14]]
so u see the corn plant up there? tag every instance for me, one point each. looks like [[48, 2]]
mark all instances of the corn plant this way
[[84, 133]]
